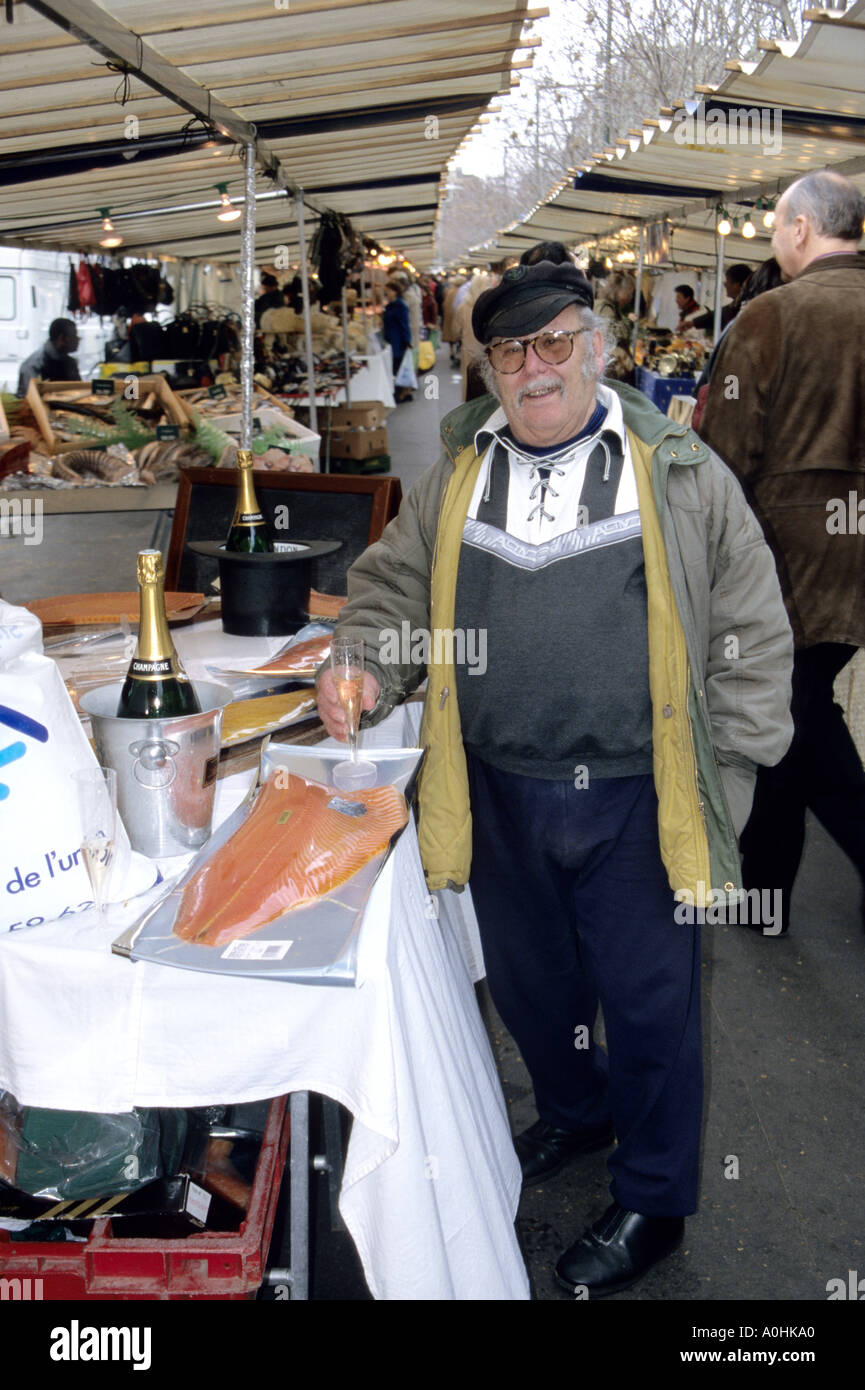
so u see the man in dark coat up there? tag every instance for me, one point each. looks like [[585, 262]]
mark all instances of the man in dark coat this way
[[785, 407], [271, 297], [54, 360]]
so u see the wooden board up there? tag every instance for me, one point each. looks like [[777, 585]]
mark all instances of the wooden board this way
[[69, 609]]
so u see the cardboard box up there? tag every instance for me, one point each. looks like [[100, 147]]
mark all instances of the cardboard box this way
[[358, 444], [358, 415]]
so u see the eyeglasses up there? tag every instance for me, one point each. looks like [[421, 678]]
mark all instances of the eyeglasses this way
[[552, 347]]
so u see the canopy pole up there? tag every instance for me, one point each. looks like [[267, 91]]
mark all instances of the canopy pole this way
[[247, 302], [719, 285], [638, 293], [363, 304], [307, 321], [345, 347]]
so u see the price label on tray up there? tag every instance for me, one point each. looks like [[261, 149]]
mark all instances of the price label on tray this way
[[167, 431], [256, 950], [102, 386]]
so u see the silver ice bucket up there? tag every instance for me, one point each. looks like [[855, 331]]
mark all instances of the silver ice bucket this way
[[166, 768]]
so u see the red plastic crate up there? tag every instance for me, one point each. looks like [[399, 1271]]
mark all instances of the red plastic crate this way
[[212, 1265]]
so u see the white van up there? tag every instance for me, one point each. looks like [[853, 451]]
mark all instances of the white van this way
[[34, 290]]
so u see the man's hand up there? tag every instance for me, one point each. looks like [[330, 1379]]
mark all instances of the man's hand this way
[[331, 712]]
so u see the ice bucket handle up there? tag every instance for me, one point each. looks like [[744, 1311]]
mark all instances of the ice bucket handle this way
[[154, 756]]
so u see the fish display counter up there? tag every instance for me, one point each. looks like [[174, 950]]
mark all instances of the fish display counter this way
[[431, 1180]]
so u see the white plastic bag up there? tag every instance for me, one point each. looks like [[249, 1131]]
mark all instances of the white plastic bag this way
[[42, 742], [406, 375]]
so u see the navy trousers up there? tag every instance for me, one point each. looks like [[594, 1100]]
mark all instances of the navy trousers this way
[[821, 770], [574, 909]]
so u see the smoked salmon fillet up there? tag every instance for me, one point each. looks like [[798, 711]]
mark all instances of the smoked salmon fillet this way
[[303, 659], [300, 840]]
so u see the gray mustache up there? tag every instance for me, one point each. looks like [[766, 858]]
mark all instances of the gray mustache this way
[[539, 385]]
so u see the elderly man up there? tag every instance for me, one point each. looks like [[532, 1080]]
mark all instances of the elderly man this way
[[54, 360], [784, 409], [608, 558]]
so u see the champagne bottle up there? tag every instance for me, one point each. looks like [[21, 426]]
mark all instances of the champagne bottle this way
[[156, 685], [249, 533]]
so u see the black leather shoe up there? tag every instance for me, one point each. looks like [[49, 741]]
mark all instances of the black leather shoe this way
[[543, 1150], [618, 1250]]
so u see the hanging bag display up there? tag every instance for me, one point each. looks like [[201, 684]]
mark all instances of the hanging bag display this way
[[86, 295]]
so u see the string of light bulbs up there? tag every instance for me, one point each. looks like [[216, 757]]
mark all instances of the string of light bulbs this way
[[727, 222]]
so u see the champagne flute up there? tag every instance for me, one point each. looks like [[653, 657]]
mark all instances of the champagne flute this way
[[346, 659], [96, 788]]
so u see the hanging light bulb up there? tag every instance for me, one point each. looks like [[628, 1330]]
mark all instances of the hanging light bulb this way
[[109, 236], [748, 228], [608, 263], [227, 211], [769, 217], [725, 226]]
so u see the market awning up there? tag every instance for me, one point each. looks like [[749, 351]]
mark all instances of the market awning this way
[[800, 107], [360, 104]]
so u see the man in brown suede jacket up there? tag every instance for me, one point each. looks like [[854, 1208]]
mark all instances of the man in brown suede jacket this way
[[785, 410]]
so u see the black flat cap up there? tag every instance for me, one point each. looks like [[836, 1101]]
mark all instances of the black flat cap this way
[[528, 297]]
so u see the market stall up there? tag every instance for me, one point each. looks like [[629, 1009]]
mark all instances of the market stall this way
[[431, 1180], [694, 187]]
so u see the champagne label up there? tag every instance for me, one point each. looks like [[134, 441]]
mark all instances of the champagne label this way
[[249, 519], [155, 669]]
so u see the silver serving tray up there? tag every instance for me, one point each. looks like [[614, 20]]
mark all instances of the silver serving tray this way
[[316, 944]]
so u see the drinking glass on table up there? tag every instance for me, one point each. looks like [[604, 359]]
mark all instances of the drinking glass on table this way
[[96, 789], [346, 659]]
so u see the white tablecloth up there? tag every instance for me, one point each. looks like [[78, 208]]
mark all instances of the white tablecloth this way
[[431, 1179], [373, 382]]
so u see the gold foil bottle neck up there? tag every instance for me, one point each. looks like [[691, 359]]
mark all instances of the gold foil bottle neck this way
[[150, 568], [245, 458]]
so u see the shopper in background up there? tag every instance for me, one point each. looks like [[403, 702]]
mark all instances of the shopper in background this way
[[54, 360], [736, 278], [292, 293], [766, 277], [429, 310], [450, 324], [785, 407], [616, 304], [471, 351], [271, 297], [413, 298], [396, 328], [554, 251]]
